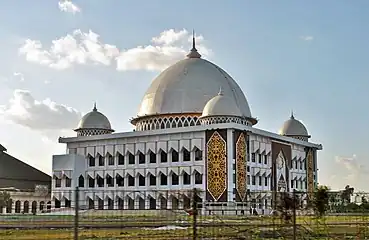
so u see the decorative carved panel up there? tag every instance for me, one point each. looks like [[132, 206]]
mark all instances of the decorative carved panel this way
[[216, 166], [280, 149], [281, 172], [241, 167], [310, 172]]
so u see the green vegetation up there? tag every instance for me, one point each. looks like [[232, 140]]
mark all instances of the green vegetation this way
[[320, 201], [218, 227], [349, 221], [4, 199]]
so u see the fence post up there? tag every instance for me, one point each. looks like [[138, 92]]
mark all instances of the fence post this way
[[294, 214], [76, 211], [194, 214]]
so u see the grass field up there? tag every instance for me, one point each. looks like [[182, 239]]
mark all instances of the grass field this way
[[97, 226]]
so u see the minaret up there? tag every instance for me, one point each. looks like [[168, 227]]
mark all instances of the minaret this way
[[193, 53]]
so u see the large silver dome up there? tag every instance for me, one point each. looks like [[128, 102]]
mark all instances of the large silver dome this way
[[187, 86]]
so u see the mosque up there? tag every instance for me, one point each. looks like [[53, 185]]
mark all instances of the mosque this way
[[193, 129]]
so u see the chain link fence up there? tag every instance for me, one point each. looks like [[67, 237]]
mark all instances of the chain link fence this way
[[82, 214]]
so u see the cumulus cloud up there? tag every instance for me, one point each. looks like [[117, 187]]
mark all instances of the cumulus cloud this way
[[170, 46], [19, 75], [307, 38], [68, 6], [353, 168], [75, 48], [44, 115], [79, 48]]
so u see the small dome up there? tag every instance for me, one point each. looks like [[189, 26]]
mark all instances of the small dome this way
[[94, 121], [294, 128], [221, 105]]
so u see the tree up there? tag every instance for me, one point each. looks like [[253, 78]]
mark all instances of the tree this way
[[346, 194], [4, 199], [321, 200], [287, 202]]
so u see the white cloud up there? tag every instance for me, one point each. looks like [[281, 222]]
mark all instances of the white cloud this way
[[44, 115], [19, 75], [307, 38], [75, 48], [86, 48], [354, 170], [169, 47], [68, 6]]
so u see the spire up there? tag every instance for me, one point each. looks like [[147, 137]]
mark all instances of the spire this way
[[292, 117], [94, 109], [193, 39], [220, 91], [193, 53]]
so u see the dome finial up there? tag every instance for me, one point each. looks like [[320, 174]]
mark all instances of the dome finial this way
[[94, 109], [220, 93], [193, 39], [292, 117], [193, 53]]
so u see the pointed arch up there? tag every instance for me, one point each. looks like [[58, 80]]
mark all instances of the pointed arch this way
[[197, 153], [186, 155], [174, 155], [81, 181], [110, 159], [150, 172], [131, 158], [120, 158], [152, 156], [141, 179], [163, 156], [141, 157], [90, 160], [198, 177]]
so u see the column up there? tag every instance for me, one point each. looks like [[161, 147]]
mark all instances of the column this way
[[125, 202], [147, 203], [315, 166], [169, 202], [115, 201], [230, 171], [180, 203], [12, 207], [62, 202]]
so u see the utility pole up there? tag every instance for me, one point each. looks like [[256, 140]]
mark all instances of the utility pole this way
[[76, 208], [294, 214], [194, 214]]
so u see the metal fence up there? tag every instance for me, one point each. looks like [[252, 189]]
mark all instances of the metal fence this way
[[81, 214]]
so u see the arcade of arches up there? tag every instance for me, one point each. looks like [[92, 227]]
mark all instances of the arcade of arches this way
[[26, 203]]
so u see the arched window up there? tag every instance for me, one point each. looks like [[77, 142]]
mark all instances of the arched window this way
[[81, 181], [26, 207], [42, 205]]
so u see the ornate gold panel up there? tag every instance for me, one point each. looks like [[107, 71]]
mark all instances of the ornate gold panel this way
[[241, 166], [310, 172], [216, 166]]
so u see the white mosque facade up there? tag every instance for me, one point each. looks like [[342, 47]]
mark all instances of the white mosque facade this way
[[194, 129]]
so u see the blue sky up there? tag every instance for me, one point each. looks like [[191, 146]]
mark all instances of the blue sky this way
[[309, 56]]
